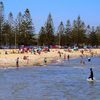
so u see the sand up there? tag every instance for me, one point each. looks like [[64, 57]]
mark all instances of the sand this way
[[9, 59]]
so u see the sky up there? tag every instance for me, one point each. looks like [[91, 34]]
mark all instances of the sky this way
[[61, 10]]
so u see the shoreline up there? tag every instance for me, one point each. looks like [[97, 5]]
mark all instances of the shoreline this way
[[9, 60]]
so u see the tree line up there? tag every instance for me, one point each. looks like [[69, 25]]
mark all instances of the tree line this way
[[21, 31], [70, 35]]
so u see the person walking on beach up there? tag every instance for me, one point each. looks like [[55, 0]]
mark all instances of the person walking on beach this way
[[91, 74], [17, 62]]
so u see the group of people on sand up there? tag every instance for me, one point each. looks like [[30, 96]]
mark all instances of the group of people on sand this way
[[45, 59]]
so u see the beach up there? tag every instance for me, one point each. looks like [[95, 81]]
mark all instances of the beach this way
[[65, 80], [57, 81], [8, 57]]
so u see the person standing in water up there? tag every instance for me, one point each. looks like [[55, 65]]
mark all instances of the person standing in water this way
[[91, 74], [45, 60], [68, 57], [17, 62]]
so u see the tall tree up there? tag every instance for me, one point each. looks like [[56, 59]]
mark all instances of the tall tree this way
[[11, 19], [93, 37], [88, 32], [78, 32], [60, 33], [49, 27], [1, 21], [42, 37], [68, 33], [27, 29], [11, 23], [18, 24], [98, 34], [7, 36]]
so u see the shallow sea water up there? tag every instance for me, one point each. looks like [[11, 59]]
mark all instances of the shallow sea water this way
[[65, 80]]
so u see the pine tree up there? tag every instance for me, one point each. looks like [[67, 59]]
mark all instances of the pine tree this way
[[93, 37], [27, 29], [42, 37], [11, 19], [60, 33], [1, 21], [49, 27], [11, 23], [7, 36], [19, 21], [98, 34], [68, 33], [78, 32], [18, 25]]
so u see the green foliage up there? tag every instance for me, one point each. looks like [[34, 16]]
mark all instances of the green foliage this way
[[21, 31], [6, 34], [60, 33], [94, 39], [68, 34], [1, 21], [42, 37], [25, 29], [78, 32], [49, 28]]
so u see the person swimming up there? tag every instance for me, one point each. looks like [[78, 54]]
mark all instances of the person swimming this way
[[91, 74]]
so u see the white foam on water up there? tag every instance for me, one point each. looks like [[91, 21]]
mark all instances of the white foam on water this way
[[78, 67]]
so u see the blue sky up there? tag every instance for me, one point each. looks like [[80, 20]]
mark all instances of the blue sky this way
[[61, 10]]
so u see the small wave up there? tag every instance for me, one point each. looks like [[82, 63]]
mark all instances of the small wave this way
[[79, 67]]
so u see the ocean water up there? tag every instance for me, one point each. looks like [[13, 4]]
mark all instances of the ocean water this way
[[65, 80]]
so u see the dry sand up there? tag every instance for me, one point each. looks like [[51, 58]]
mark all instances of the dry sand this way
[[9, 60]]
